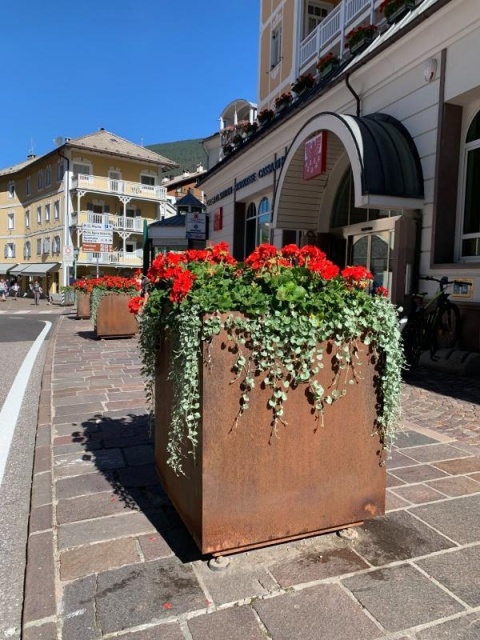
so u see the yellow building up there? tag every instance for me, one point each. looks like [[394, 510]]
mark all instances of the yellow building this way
[[51, 205]]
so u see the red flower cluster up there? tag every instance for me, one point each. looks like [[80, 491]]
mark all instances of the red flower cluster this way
[[357, 276], [111, 283], [381, 291], [135, 304], [172, 267], [268, 256]]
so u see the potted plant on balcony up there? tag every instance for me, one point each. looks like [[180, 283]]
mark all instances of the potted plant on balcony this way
[[393, 10], [265, 115], [109, 310], [283, 101], [228, 147], [302, 83], [360, 37], [327, 63], [276, 385], [249, 128]]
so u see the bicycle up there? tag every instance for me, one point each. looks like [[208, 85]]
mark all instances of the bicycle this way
[[433, 325]]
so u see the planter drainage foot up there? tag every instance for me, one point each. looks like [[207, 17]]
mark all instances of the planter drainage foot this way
[[348, 534], [219, 563]]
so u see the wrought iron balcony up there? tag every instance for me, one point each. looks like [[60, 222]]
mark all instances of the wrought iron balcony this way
[[102, 184]]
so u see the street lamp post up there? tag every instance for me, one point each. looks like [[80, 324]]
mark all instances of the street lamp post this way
[[76, 251]]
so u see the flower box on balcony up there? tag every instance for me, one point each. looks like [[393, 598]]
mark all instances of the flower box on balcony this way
[[359, 38], [266, 115], [302, 83], [394, 10], [327, 64]]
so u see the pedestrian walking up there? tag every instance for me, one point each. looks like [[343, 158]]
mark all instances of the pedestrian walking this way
[[15, 289], [3, 289], [37, 290]]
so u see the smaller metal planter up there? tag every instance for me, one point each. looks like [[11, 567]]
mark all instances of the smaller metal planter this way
[[113, 319], [83, 305]]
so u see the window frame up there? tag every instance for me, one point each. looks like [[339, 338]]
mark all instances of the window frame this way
[[27, 249], [56, 210], [468, 147], [9, 252], [47, 212], [39, 215], [39, 246], [276, 41], [11, 221]]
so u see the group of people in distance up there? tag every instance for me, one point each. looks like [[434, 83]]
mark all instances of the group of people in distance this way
[[6, 287], [12, 289]]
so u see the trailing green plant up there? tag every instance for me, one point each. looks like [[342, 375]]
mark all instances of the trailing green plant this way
[[277, 309]]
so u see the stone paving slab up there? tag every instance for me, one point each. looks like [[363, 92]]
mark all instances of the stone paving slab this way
[[464, 628], [395, 537], [459, 518], [146, 593], [236, 623], [458, 571], [392, 597], [325, 611]]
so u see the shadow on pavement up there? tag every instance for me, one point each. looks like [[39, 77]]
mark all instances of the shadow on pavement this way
[[122, 451], [466, 389]]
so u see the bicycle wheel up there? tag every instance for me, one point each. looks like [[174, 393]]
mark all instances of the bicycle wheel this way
[[446, 330], [413, 338]]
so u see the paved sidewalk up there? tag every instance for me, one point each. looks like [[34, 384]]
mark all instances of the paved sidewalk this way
[[27, 305], [108, 556]]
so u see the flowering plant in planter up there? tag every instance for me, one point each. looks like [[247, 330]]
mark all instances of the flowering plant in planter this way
[[359, 34], [389, 7], [277, 307], [265, 115], [330, 59], [106, 285], [283, 100], [305, 81]]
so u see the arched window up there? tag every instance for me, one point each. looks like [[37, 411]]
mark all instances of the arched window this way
[[470, 244], [257, 227]]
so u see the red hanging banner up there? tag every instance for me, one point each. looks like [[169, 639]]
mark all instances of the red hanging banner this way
[[315, 161]]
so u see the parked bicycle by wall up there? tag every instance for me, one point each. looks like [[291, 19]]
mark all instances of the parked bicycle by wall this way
[[433, 324]]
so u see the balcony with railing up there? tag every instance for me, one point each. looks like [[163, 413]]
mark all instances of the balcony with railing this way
[[119, 222], [102, 184], [330, 34], [112, 258]]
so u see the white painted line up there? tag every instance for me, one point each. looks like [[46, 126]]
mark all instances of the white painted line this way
[[11, 408]]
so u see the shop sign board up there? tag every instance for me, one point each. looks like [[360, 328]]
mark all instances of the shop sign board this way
[[196, 226]]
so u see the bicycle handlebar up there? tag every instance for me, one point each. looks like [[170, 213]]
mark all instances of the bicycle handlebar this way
[[444, 281]]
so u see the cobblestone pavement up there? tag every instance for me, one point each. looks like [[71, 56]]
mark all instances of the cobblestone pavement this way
[[108, 556]]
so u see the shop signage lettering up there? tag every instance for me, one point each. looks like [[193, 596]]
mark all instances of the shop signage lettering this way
[[245, 182]]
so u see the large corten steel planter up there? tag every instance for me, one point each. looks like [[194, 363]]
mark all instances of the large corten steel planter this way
[[247, 487], [83, 305], [114, 319]]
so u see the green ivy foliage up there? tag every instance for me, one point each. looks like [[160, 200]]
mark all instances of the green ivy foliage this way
[[277, 320]]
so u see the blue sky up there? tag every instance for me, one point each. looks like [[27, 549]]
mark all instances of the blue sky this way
[[150, 71]]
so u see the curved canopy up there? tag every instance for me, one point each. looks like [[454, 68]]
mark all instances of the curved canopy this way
[[386, 167]]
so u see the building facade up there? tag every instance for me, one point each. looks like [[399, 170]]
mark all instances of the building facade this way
[[377, 161], [48, 205]]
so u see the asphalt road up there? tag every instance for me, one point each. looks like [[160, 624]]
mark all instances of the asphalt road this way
[[17, 335]]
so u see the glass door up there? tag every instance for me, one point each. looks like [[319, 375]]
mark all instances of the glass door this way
[[374, 251]]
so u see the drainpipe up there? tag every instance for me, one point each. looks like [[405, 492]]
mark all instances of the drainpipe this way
[[355, 95], [66, 228]]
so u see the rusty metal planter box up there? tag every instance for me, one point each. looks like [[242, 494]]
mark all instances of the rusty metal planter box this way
[[114, 319], [248, 488], [83, 305]]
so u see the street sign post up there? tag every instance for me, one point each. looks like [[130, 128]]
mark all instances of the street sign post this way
[[68, 257]]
